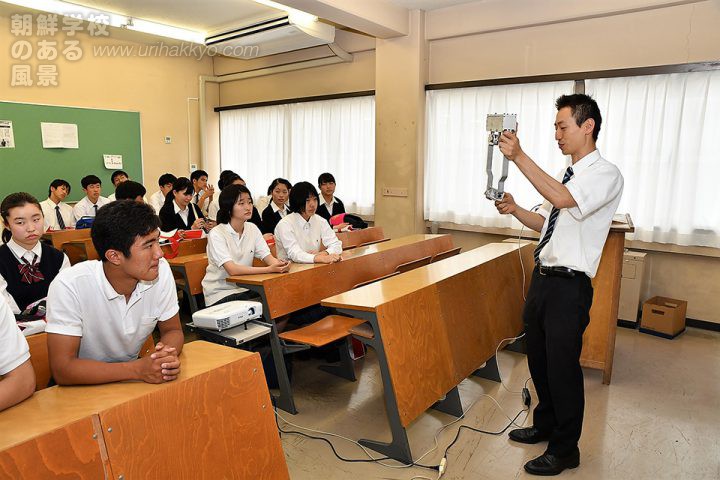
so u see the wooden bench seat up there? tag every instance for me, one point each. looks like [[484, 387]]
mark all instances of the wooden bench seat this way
[[363, 330], [323, 332]]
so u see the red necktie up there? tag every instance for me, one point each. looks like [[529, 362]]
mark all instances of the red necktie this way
[[30, 273]]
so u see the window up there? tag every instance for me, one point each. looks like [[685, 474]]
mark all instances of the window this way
[[302, 140]]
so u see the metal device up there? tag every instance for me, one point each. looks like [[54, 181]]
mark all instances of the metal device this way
[[227, 315], [496, 124]]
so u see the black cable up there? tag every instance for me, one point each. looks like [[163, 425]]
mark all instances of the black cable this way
[[457, 435]]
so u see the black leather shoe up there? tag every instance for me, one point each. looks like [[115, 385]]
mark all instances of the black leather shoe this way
[[548, 464], [529, 435]]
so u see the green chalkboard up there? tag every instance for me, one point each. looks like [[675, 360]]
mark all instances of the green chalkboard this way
[[30, 168]]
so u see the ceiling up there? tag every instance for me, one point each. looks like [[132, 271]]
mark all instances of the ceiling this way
[[427, 4]]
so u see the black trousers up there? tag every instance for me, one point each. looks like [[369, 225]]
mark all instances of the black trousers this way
[[557, 311]]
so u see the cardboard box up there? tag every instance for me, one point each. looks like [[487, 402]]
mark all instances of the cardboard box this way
[[664, 317]]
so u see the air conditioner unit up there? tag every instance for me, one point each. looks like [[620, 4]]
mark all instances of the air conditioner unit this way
[[268, 37]]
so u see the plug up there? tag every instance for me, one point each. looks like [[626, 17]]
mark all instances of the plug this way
[[442, 466], [526, 398]]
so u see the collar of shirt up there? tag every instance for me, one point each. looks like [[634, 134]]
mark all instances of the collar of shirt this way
[[21, 252], [585, 162], [178, 209], [108, 289], [276, 208], [301, 222], [231, 231], [327, 204], [51, 203]]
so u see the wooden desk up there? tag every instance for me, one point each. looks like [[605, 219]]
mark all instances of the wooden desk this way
[[436, 325], [215, 421], [58, 237], [308, 284], [187, 247], [356, 238], [80, 250]]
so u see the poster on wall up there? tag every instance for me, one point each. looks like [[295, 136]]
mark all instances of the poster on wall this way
[[59, 135], [112, 162], [7, 139]]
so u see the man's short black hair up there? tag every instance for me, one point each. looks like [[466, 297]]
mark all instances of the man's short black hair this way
[[325, 178], [582, 107], [118, 224], [58, 182], [166, 178], [197, 174], [90, 180], [129, 190], [301, 193], [116, 174]]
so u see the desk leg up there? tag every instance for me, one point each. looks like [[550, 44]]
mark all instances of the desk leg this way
[[399, 447], [490, 370], [450, 404], [192, 301], [346, 369]]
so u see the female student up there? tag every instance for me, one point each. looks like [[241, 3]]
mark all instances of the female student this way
[[227, 178], [279, 190], [27, 266], [178, 211], [301, 235], [232, 246]]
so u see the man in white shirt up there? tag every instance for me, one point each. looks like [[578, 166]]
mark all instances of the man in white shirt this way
[[100, 312], [58, 214], [117, 177], [16, 371], [573, 227], [165, 182], [92, 201], [203, 193], [303, 236]]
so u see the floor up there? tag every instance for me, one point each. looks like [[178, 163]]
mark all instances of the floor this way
[[659, 419]]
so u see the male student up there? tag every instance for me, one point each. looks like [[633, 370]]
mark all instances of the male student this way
[[17, 377], [92, 201], [129, 190], [165, 182], [100, 312], [573, 226], [329, 204], [117, 177], [58, 214], [203, 193]]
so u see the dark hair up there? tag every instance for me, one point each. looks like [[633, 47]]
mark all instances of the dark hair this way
[[277, 182], [58, 182], [90, 180], [325, 178], [129, 190], [301, 193], [179, 185], [118, 224], [583, 107], [11, 201], [228, 199], [221, 178], [166, 178], [116, 174], [197, 174], [228, 180]]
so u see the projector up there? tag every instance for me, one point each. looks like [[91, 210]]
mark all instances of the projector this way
[[227, 315]]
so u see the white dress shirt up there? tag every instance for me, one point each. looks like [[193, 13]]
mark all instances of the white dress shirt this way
[[82, 303], [50, 214], [184, 214], [226, 245], [329, 205], [580, 232], [196, 197], [214, 208], [85, 208], [299, 241], [15, 350], [157, 200], [276, 209]]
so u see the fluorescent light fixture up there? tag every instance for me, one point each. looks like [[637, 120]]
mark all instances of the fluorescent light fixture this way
[[297, 16], [114, 19]]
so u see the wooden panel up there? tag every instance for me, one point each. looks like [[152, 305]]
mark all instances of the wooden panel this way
[[39, 359], [67, 452], [188, 247], [80, 250], [355, 238], [218, 425], [322, 332], [61, 236]]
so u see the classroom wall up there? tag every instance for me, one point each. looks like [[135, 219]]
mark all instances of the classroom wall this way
[[158, 87]]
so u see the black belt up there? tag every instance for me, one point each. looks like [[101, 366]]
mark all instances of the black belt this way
[[558, 271]]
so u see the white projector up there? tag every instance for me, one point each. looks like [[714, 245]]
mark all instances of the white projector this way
[[227, 315]]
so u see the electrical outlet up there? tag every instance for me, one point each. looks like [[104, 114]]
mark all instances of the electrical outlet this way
[[193, 167], [168, 139], [394, 192]]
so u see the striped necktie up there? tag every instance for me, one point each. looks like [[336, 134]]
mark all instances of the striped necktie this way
[[61, 222], [553, 218], [30, 272]]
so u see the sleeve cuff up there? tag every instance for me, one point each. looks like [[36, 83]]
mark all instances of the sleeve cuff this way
[[576, 212], [63, 330], [9, 367], [169, 314]]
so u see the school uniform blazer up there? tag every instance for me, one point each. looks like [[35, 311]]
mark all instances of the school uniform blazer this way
[[270, 219], [169, 220], [338, 207]]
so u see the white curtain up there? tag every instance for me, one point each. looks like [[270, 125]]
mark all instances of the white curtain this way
[[300, 141], [662, 132], [456, 151]]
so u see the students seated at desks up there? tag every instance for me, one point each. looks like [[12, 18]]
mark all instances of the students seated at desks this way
[[17, 377], [179, 212], [232, 246], [92, 201], [100, 312], [129, 190], [228, 178], [202, 192], [27, 266], [58, 214], [278, 190], [329, 204], [165, 182], [301, 235]]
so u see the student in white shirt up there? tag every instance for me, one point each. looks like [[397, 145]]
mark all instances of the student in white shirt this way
[[92, 201], [17, 377], [129, 190], [573, 228], [165, 182], [100, 312], [117, 177], [232, 246], [303, 236], [27, 266], [202, 192], [58, 214], [279, 190], [227, 178], [329, 204]]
